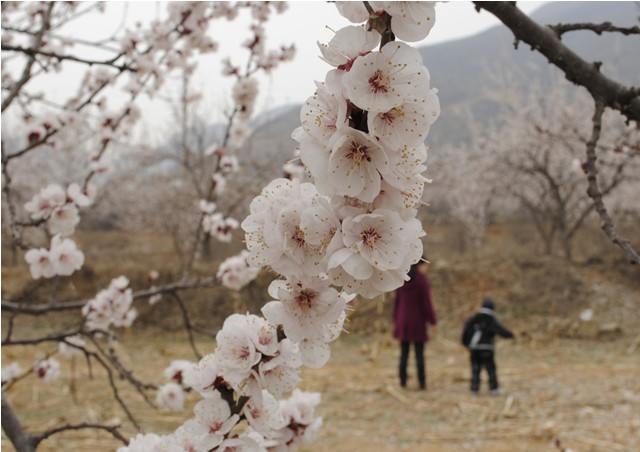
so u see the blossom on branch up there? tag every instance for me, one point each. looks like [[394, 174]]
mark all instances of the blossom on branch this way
[[235, 272], [170, 397], [11, 372], [71, 346], [111, 306], [386, 79], [177, 370], [47, 369], [62, 258]]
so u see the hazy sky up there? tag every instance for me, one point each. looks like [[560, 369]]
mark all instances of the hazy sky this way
[[304, 23]]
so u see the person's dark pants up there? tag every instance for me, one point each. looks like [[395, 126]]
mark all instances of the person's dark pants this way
[[480, 359], [404, 359]]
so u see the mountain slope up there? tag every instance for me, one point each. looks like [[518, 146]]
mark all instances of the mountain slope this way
[[464, 70], [470, 72]]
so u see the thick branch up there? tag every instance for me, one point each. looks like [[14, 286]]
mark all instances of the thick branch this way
[[14, 430], [544, 40]]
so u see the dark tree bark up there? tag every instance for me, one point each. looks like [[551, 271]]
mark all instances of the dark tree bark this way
[[13, 429], [546, 41]]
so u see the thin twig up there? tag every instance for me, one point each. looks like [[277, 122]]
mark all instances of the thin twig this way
[[113, 429], [598, 29], [187, 324], [33, 52], [112, 383], [26, 72], [589, 167], [45, 308]]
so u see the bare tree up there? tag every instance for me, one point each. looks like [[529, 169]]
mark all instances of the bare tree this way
[[605, 92]]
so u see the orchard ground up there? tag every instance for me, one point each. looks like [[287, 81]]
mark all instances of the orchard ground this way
[[567, 384], [584, 394]]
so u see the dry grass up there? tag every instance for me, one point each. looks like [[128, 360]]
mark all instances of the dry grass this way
[[585, 394]]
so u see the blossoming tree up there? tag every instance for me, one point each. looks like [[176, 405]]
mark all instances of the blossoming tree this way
[[351, 229]]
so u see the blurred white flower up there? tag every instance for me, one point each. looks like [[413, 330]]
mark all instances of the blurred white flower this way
[[11, 371], [47, 369], [170, 397], [177, 369], [586, 315]]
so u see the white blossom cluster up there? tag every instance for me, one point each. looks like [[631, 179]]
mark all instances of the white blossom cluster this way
[[61, 258], [251, 362], [292, 421], [362, 141], [111, 306], [58, 207], [215, 224], [235, 273], [352, 230]]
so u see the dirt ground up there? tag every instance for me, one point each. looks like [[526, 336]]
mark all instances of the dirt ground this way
[[577, 394], [582, 395], [562, 393]]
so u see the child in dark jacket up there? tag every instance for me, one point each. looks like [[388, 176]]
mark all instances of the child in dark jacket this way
[[478, 336]]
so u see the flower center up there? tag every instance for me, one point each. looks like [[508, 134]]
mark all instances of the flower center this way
[[379, 82], [393, 114], [298, 237], [370, 237], [244, 353], [215, 426], [358, 152], [305, 298]]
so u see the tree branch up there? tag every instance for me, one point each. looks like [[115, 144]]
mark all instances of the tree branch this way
[[26, 72], [598, 29], [14, 430], [589, 167], [187, 324], [544, 40], [33, 52], [42, 309], [113, 429]]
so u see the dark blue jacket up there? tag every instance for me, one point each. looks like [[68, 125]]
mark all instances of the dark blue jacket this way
[[480, 330]]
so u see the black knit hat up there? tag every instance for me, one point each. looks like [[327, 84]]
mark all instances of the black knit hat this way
[[489, 304]]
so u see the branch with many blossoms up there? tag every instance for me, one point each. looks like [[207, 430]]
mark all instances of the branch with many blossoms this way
[[351, 231], [145, 56]]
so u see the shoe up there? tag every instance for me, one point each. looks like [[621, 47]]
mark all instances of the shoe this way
[[497, 391], [475, 393]]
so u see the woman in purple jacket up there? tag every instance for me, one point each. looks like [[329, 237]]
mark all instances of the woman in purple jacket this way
[[412, 311]]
